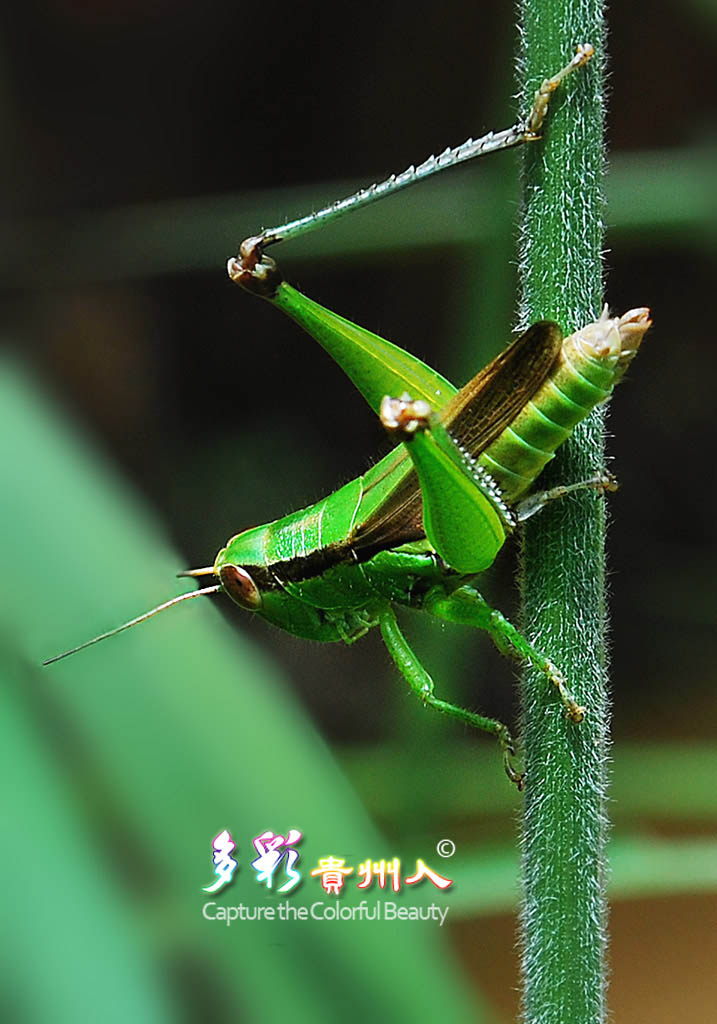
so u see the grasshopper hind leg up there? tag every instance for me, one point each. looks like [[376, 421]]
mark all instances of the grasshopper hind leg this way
[[421, 684]]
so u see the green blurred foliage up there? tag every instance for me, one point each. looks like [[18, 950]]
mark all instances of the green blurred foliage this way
[[123, 764]]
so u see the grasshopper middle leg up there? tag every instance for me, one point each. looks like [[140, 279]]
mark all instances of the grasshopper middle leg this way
[[468, 607], [601, 482]]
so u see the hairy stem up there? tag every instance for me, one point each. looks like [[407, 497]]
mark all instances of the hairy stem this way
[[564, 827]]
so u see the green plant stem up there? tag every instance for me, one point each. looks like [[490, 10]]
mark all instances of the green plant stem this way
[[564, 827]]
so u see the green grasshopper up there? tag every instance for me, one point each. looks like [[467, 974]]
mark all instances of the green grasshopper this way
[[418, 527]]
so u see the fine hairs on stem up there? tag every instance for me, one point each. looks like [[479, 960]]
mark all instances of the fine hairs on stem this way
[[562, 574]]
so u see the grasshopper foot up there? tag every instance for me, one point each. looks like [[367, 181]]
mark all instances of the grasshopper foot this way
[[584, 52], [507, 747], [573, 711]]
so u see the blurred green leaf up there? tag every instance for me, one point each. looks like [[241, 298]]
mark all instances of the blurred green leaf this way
[[128, 758]]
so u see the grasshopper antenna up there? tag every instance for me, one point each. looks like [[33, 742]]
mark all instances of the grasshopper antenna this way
[[135, 622]]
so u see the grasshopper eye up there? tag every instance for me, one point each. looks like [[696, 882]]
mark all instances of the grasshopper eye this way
[[239, 585]]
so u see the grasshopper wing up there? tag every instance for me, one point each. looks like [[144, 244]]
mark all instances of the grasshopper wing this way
[[474, 417]]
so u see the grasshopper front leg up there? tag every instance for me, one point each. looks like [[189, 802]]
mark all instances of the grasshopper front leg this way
[[421, 683]]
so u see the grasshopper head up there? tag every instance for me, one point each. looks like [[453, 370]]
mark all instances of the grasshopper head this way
[[245, 576], [240, 587], [239, 567]]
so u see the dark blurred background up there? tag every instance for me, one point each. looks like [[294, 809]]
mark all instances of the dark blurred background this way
[[142, 143]]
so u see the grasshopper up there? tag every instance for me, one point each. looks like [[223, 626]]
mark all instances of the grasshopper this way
[[417, 528]]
